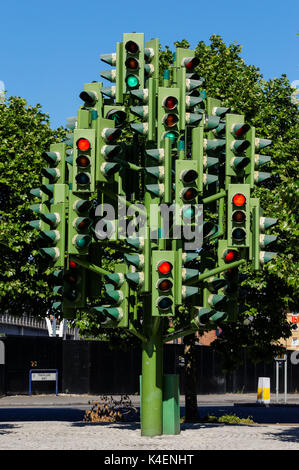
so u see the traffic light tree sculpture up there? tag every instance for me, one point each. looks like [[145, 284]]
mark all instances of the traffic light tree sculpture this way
[[147, 161]]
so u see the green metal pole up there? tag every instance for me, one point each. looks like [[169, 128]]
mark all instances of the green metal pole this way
[[152, 376], [92, 267], [218, 270], [214, 197], [168, 169]]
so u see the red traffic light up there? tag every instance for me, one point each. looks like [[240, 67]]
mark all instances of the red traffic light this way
[[72, 276], [239, 199], [230, 256], [190, 63], [83, 144], [83, 224], [164, 267], [240, 129], [132, 47], [170, 102], [110, 135]]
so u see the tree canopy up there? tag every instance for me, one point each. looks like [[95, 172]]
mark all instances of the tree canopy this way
[[24, 134]]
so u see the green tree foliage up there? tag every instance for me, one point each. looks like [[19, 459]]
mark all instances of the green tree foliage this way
[[268, 294], [267, 105], [24, 134]]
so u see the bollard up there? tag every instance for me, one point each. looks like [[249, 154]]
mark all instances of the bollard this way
[[171, 404], [263, 390]]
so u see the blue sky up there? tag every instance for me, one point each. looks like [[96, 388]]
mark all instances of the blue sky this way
[[50, 49]]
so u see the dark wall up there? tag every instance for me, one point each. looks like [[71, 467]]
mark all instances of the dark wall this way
[[23, 353], [90, 367]]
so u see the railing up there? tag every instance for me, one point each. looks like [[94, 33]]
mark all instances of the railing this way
[[29, 322]]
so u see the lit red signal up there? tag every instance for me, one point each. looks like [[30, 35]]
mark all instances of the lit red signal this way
[[239, 130], [190, 63], [163, 281], [83, 144], [165, 267], [239, 200], [230, 255]]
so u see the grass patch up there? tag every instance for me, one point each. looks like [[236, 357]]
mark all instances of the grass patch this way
[[230, 419], [225, 419]]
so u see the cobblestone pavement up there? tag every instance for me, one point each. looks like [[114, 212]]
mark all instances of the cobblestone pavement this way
[[94, 436]]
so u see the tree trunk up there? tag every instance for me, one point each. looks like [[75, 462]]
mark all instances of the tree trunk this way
[[190, 379]]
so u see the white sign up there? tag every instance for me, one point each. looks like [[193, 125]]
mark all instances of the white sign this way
[[43, 376]]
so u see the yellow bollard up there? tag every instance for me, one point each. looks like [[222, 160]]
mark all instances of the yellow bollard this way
[[263, 390]]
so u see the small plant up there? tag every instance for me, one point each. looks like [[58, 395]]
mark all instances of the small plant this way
[[111, 410], [225, 419], [230, 419]]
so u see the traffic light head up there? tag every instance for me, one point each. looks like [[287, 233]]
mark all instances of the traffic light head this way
[[108, 149], [186, 189], [229, 256], [84, 160], [259, 240], [74, 285], [133, 61], [238, 215], [190, 63], [163, 278], [237, 149], [168, 114], [146, 110], [79, 224], [115, 312]]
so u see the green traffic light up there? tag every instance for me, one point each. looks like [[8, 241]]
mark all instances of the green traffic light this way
[[189, 212], [132, 81], [82, 241], [171, 136]]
